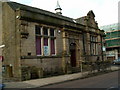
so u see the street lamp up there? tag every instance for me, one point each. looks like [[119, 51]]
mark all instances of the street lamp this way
[[1, 46]]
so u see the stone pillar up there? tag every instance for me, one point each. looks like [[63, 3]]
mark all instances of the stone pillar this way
[[65, 51], [17, 60], [0, 25], [0, 41], [87, 45], [78, 53]]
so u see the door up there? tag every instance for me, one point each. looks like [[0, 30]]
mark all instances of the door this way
[[73, 54]]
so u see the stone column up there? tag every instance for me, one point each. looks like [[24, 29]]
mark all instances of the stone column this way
[[17, 59], [88, 44], [65, 51], [0, 41]]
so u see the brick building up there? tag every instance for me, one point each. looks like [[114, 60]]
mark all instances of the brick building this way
[[38, 42]]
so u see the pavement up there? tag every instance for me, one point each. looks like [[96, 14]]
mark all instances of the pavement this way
[[50, 80]]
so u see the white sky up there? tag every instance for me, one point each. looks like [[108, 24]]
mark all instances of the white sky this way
[[106, 11]]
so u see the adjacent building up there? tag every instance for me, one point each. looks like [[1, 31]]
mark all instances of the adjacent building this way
[[112, 40], [38, 42]]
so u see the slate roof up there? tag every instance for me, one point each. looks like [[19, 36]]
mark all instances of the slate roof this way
[[16, 6]]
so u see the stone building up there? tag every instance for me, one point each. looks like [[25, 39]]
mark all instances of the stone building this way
[[38, 41]]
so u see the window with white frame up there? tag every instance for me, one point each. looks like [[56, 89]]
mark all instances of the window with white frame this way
[[45, 41]]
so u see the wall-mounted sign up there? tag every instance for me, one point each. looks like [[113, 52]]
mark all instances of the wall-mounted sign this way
[[111, 53], [46, 50]]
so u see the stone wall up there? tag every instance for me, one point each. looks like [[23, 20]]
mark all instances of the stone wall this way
[[40, 67], [20, 51], [11, 41], [0, 26]]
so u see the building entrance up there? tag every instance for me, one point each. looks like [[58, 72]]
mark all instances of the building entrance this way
[[73, 54]]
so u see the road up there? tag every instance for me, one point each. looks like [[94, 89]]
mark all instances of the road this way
[[109, 80]]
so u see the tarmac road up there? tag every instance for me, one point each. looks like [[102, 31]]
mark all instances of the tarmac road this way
[[109, 81]]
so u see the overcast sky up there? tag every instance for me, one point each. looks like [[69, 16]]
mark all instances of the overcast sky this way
[[106, 11]]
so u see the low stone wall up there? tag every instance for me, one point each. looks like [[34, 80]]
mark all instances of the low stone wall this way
[[32, 72]]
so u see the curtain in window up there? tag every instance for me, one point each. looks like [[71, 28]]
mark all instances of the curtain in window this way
[[45, 41], [52, 44], [38, 45]]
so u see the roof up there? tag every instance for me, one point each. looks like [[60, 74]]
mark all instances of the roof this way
[[66, 21], [16, 6]]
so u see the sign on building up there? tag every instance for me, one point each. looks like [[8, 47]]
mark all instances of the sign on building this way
[[46, 50], [111, 53]]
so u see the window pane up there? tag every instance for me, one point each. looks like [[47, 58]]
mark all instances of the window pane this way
[[38, 45], [46, 48], [45, 41], [45, 31], [52, 44], [51, 32], [37, 30]]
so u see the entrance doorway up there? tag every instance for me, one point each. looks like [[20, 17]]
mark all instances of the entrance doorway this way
[[73, 54]]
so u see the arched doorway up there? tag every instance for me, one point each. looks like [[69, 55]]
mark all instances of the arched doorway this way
[[73, 54]]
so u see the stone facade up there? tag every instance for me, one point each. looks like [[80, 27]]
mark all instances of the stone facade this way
[[0, 26], [73, 41]]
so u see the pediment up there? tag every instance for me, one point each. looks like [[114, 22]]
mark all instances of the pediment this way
[[91, 19], [91, 14]]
